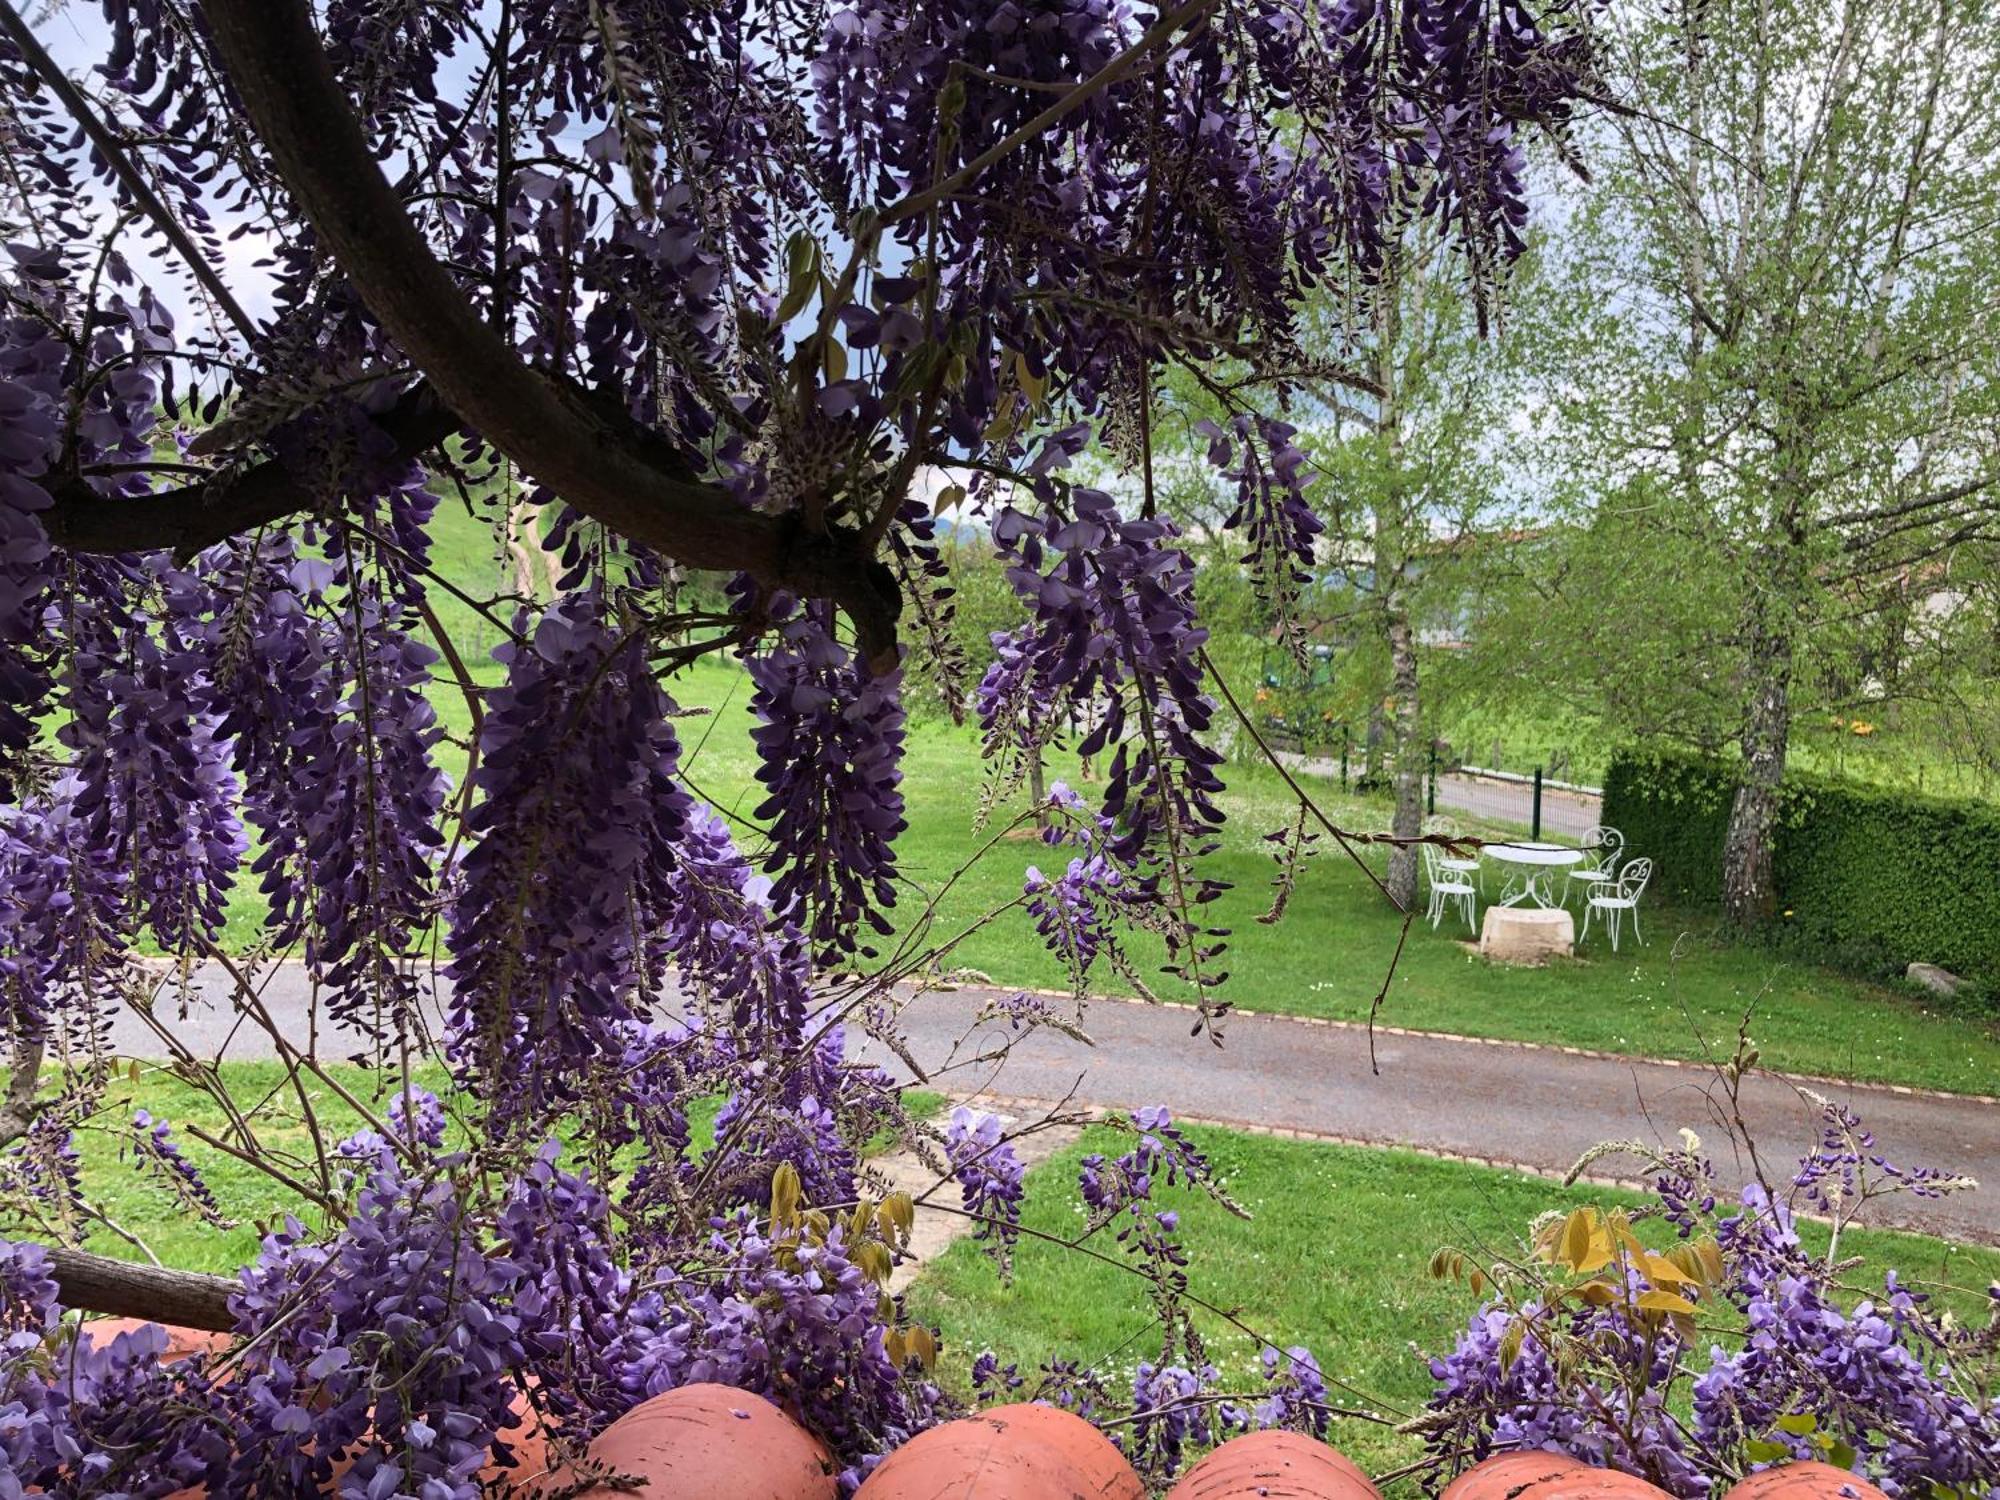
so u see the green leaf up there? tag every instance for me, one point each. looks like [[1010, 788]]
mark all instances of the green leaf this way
[[802, 266], [1510, 1344]]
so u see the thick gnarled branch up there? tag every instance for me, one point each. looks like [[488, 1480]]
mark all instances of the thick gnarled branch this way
[[191, 517]]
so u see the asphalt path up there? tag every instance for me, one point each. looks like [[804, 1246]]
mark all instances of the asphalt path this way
[[1513, 1105]]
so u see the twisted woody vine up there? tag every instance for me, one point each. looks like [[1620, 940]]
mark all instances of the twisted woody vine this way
[[718, 286]]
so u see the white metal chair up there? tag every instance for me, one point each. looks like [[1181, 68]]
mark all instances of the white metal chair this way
[[1473, 869], [1602, 847], [1620, 898], [1447, 887]]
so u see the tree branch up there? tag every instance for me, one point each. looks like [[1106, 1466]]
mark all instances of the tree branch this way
[[126, 1289], [1947, 496], [195, 516], [589, 451]]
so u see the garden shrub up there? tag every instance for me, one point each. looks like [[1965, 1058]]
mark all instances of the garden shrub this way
[[1868, 878]]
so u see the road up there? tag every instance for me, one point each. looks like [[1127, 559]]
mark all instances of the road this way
[[1532, 1108], [1565, 814]]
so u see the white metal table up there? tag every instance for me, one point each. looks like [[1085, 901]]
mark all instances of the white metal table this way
[[1527, 882]]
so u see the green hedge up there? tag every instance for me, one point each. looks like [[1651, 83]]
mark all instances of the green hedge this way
[[1868, 878]]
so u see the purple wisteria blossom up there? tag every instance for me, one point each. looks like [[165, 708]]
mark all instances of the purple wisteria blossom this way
[[159, 1156], [1115, 633], [989, 1173], [1873, 1377], [396, 1349], [154, 786], [727, 944], [829, 743], [323, 698], [1884, 1384], [574, 848], [31, 381], [1268, 469], [1175, 1408], [1295, 1392]]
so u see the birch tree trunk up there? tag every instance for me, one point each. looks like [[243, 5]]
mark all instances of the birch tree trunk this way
[[1408, 757], [1749, 895], [1393, 528]]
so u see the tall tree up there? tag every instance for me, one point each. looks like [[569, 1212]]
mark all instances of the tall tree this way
[[1393, 432], [1772, 376], [1410, 479]]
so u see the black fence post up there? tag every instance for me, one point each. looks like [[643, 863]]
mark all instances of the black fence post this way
[[1433, 805], [1345, 736], [1535, 831]]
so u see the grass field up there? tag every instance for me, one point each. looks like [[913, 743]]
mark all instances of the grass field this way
[[1335, 1258], [136, 1202], [1681, 993]]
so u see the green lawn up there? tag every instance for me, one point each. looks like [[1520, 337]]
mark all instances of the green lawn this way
[[1681, 993], [1684, 991], [1335, 1258], [136, 1201]]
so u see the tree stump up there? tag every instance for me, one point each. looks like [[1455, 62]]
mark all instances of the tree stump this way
[[1526, 934]]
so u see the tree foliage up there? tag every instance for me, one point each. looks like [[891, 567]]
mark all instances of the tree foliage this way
[[1771, 381]]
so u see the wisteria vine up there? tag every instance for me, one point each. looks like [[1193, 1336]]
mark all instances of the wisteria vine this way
[[725, 289]]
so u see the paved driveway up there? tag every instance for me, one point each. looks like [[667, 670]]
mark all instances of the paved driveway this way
[[1531, 1107]]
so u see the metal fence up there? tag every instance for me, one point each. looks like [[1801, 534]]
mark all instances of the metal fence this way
[[1535, 803], [1538, 802]]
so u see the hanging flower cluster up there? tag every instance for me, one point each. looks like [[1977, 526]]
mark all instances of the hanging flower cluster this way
[[31, 382], [1080, 912], [324, 700], [829, 743], [395, 1345], [1175, 1408], [724, 940], [158, 1155], [91, 1416], [1276, 521], [154, 782], [989, 1173], [574, 847], [1115, 635]]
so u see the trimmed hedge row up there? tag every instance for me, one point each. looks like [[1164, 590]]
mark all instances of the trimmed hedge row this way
[[1871, 878]]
